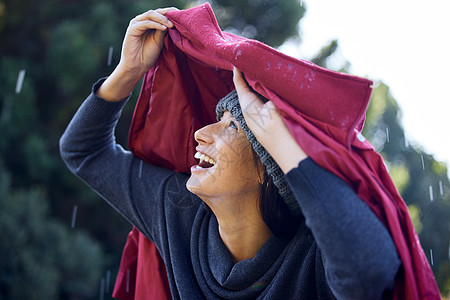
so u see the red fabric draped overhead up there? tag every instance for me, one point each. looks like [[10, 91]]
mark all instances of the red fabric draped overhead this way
[[323, 109]]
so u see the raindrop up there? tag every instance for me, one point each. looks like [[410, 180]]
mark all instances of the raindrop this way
[[441, 188], [74, 216], [102, 289], [431, 256], [127, 287], [387, 134], [20, 79], [108, 281], [238, 53], [140, 169], [279, 64], [423, 162], [110, 54], [431, 193]]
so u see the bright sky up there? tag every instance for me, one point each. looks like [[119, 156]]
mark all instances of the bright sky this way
[[404, 43]]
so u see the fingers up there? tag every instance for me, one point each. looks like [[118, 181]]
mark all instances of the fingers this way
[[143, 26], [248, 100], [165, 10], [156, 17], [239, 82]]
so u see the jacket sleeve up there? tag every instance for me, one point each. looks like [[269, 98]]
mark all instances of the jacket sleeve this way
[[358, 253], [134, 188]]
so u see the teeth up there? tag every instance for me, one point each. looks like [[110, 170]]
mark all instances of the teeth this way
[[203, 157]]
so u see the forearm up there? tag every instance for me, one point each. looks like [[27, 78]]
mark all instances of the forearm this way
[[284, 149], [89, 150], [119, 85], [359, 255], [91, 129], [132, 187]]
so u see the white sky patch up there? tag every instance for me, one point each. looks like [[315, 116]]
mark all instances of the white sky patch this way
[[406, 44]]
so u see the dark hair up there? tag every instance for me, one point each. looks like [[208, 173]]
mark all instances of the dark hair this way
[[274, 210]]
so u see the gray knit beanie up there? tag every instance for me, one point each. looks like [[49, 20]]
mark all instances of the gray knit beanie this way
[[231, 103]]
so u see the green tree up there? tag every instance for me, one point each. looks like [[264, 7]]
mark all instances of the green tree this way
[[39, 257], [63, 47], [421, 180]]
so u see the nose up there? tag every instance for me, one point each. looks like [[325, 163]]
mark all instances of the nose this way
[[205, 135]]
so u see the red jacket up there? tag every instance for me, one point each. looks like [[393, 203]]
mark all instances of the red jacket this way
[[323, 109]]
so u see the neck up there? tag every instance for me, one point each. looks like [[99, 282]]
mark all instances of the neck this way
[[244, 239], [241, 226]]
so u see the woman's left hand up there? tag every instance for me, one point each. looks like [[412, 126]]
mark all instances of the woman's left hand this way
[[266, 123]]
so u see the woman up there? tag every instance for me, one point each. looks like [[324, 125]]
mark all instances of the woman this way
[[275, 224]]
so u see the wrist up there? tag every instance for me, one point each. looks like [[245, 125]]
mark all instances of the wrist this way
[[119, 84], [285, 151], [130, 73]]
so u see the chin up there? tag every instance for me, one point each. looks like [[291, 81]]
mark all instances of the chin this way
[[204, 190], [194, 186]]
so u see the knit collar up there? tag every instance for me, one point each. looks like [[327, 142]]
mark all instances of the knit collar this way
[[214, 268]]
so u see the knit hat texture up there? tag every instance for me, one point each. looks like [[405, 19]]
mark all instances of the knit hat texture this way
[[231, 103]]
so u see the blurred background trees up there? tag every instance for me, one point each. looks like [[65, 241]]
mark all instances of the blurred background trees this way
[[59, 240]]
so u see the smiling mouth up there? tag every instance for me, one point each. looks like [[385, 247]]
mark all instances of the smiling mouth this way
[[205, 161]]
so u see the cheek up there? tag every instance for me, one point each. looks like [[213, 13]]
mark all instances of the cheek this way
[[246, 168]]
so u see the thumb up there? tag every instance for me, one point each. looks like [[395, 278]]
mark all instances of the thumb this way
[[249, 101], [159, 37], [239, 82]]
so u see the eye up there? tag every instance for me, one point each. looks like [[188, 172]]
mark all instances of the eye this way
[[233, 125]]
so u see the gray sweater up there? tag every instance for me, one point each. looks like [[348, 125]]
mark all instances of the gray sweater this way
[[342, 250]]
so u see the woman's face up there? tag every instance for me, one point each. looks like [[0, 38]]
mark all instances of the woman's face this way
[[226, 163]]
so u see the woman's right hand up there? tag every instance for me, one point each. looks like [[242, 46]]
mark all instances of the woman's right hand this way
[[144, 40], [141, 47]]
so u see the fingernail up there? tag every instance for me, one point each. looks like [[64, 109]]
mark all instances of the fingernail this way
[[170, 23]]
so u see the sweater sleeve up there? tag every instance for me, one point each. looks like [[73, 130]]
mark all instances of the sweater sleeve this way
[[359, 254], [88, 147]]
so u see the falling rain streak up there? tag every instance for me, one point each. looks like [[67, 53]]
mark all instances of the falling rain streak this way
[[128, 281], [74, 216], [431, 256], [19, 82], [423, 162], [431, 193], [387, 135], [441, 188], [102, 289], [108, 281], [406, 143], [110, 55], [140, 169]]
